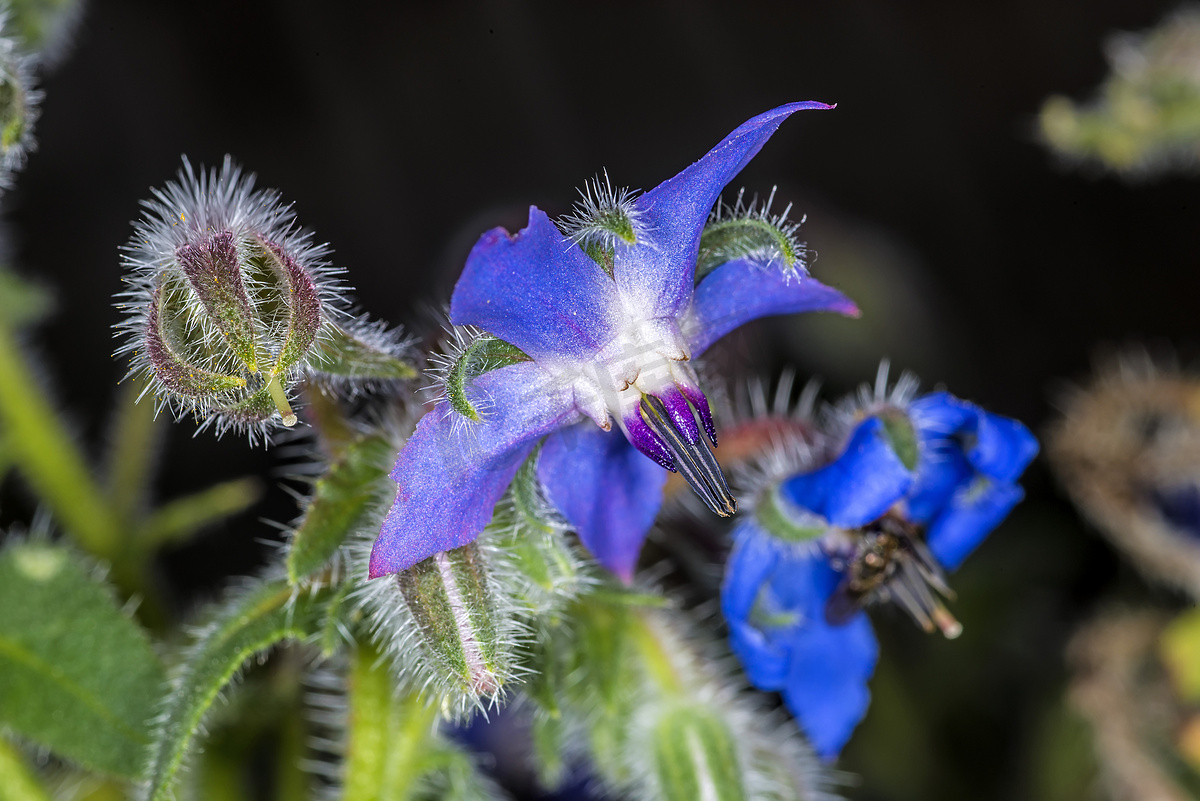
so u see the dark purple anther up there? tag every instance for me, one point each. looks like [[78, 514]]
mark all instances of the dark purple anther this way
[[646, 441], [701, 403]]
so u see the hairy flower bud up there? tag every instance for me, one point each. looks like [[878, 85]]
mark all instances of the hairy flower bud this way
[[448, 627], [230, 304], [18, 103]]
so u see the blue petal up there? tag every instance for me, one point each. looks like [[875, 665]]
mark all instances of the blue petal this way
[[752, 561], [662, 273], [859, 486], [760, 568], [607, 490], [940, 414], [537, 291], [940, 472], [451, 473], [974, 511], [740, 291], [999, 447], [1003, 447], [829, 665]]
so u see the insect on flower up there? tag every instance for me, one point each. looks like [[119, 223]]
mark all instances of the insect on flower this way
[[913, 488]]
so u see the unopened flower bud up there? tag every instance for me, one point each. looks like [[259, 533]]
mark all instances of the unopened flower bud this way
[[18, 103], [230, 304], [448, 627]]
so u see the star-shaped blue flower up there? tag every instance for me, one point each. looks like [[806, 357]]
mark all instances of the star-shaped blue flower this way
[[604, 344], [916, 488]]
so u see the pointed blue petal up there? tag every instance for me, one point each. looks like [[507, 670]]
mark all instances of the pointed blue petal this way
[[751, 562], [536, 290], [859, 486], [973, 512], [451, 473], [1003, 447], [828, 665], [740, 291], [605, 488], [662, 273]]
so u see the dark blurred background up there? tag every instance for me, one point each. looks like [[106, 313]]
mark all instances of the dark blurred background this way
[[401, 132]]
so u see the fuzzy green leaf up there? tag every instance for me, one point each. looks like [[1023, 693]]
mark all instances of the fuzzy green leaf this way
[[483, 355], [257, 618], [76, 675], [345, 355], [342, 499]]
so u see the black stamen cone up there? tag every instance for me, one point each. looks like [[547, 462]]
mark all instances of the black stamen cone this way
[[694, 461]]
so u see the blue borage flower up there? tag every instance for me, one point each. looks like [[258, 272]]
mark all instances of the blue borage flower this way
[[914, 488], [592, 336]]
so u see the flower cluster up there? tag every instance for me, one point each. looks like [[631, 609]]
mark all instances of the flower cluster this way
[[911, 487], [589, 336]]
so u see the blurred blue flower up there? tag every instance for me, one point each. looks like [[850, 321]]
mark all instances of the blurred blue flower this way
[[608, 316], [917, 486]]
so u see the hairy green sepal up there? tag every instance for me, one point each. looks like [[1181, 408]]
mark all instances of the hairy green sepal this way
[[482, 356], [76, 675], [771, 512], [723, 241], [344, 355], [342, 498], [257, 618], [902, 436]]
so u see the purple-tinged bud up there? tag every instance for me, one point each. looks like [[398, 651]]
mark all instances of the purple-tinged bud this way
[[230, 305], [19, 101]]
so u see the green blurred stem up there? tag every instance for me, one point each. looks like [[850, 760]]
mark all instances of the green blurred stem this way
[[653, 655], [48, 457], [17, 781], [388, 737], [179, 519], [131, 457]]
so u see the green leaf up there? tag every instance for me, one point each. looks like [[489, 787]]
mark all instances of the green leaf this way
[[76, 675], [1180, 649], [256, 618], [17, 781], [345, 355], [483, 355], [342, 500]]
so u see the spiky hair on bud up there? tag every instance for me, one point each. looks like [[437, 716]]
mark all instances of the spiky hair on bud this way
[[19, 100], [228, 304], [603, 218], [753, 232]]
